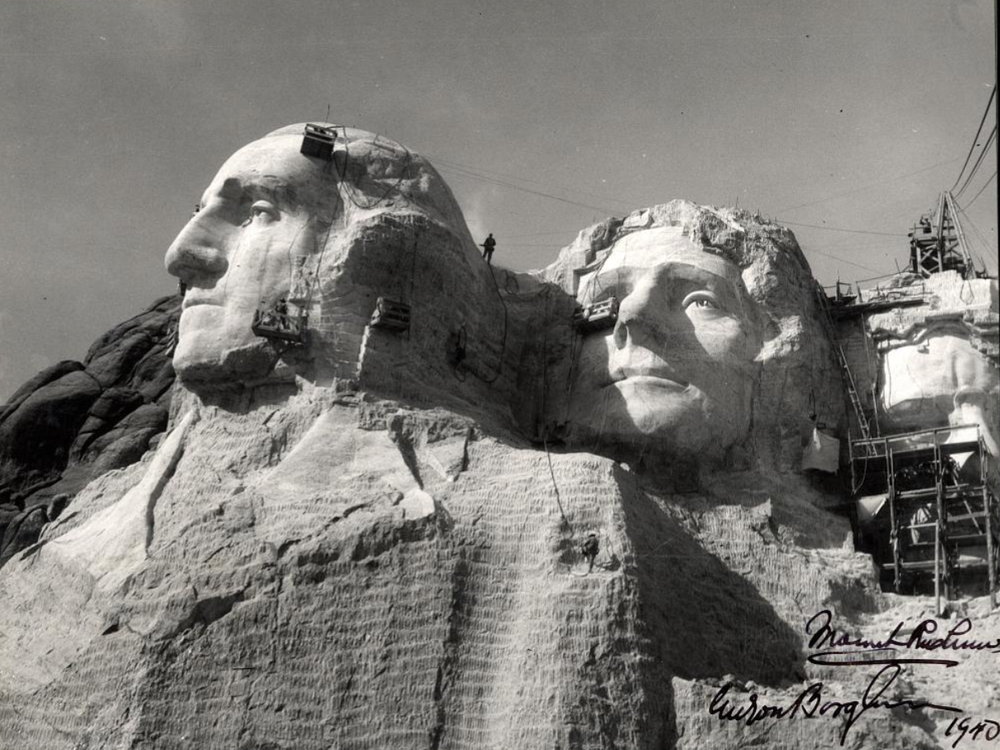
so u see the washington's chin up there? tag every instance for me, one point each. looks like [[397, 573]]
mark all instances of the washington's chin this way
[[215, 348], [197, 366]]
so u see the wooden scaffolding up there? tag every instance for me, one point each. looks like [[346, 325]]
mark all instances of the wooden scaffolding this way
[[927, 509], [938, 242]]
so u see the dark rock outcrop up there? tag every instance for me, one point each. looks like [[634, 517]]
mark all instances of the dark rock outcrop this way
[[76, 420], [25, 528]]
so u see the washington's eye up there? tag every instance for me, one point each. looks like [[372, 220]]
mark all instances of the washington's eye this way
[[263, 210], [701, 300]]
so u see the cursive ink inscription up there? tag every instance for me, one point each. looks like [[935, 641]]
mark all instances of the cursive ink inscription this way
[[984, 729], [921, 639], [811, 703]]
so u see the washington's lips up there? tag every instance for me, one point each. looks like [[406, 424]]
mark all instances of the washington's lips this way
[[193, 301]]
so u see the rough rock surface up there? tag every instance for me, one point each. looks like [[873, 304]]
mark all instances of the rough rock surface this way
[[377, 545], [76, 420], [231, 588], [314, 570]]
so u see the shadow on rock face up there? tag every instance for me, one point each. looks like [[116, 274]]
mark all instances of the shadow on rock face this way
[[710, 620]]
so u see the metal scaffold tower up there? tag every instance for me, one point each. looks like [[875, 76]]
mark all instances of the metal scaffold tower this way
[[924, 503], [938, 244], [943, 521]]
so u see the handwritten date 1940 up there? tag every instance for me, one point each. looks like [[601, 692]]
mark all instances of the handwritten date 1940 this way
[[968, 728]]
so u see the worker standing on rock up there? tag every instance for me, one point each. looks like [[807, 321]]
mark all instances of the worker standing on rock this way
[[488, 247], [590, 548]]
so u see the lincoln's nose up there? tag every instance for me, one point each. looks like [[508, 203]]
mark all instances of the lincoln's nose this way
[[196, 257]]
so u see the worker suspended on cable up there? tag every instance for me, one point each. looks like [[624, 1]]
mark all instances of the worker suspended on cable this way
[[488, 247], [281, 313], [590, 548]]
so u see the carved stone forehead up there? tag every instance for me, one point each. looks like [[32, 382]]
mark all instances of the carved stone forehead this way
[[383, 176], [274, 168], [657, 246], [707, 230], [271, 155]]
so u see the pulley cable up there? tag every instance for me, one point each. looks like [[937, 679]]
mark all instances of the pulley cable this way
[[555, 487], [979, 161], [503, 341], [976, 138], [985, 185]]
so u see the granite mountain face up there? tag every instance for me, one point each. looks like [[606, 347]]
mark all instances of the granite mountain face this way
[[359, 521]]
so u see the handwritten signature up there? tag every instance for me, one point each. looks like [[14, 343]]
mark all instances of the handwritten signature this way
[[866, 651], [811, 703]]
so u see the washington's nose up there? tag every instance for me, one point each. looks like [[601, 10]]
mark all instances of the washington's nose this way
[[196, 254]]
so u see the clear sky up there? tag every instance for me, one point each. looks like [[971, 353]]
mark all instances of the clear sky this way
[[843, 120]]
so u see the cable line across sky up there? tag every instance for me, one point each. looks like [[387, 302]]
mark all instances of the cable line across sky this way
[[484, 176], [989, 142], [550, 191], [975, 139]]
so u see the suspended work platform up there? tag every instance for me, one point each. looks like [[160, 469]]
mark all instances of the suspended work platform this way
[[390, 315], [864, 301], [279, 323], [926, 509], [596, 316]]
